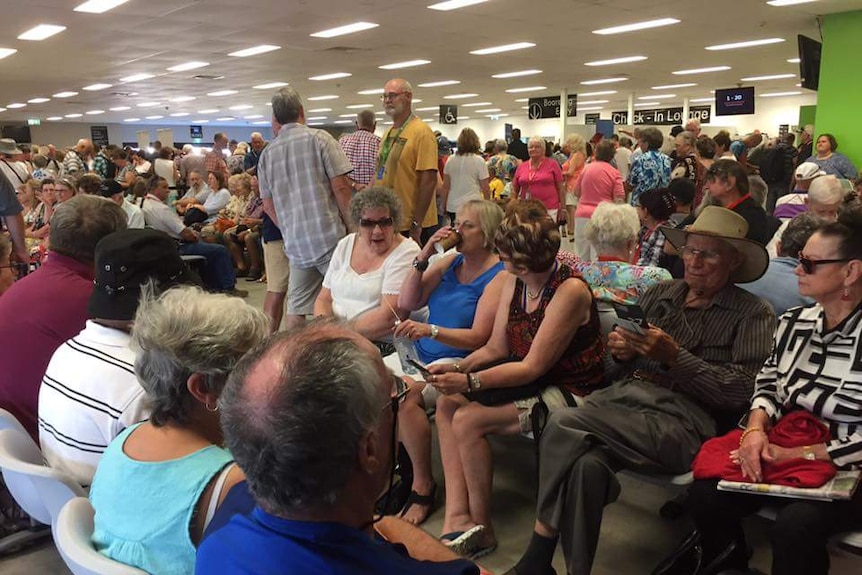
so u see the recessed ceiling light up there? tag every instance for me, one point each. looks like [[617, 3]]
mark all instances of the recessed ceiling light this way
[[503, 48], [788, 2], [370, 92], [270, 85], [674, 86], [132, 120], [73, 115], [315, 118], [41, 32], [252, 117], [440, 83], [208, 111], [225, 119], [590, 108], [254, 51], [656, 96], [188, 66], [484, 110], [779, 94], [454, 4], [526, 89], [642, 104], [427, 108], [343, 122], [119, 108], [241, 107], [333, 76], [179, 114], [95, 112], [793, 60], [346, 115], [637, 26], [4, 52], [746, 44], [527, 99], [15, 105], [182, 99], [459, 96], [405, 64], [149, 104], [96, 87], [475, 104], [319, 110], [342, 30], [359, 106], [380, 113], [416, 100], [65, 94], [600, 93], [222, 93], [701, 70], [263, 123], [603, 81], [769, 77], [156, 117], [201, 121], [38, 100], [136, 78], [326, 97], [588, 102], [516, 74], [98, 6], [54, 118], [699, 100], [612, 61], [315, 123]]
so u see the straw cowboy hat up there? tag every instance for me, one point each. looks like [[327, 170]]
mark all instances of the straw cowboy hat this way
[[9, 147], [730, 227]]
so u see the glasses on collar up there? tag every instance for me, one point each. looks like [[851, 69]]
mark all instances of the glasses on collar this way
[[809, 266]]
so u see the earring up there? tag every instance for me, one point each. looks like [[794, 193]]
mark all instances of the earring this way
[[845, 295], [211, 409]]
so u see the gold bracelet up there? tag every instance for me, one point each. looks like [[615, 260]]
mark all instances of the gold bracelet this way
[[746, 432], [457, 366]]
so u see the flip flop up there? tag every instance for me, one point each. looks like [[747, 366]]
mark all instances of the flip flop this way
[[448, 538], [418, 499], [467, 544]]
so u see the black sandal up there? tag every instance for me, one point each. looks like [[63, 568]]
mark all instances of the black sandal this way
[[427, 501]]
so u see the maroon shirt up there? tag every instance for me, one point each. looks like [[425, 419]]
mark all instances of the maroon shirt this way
[[37, 314]]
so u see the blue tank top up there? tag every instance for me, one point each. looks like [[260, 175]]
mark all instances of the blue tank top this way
[[453, 304], [144, 509]]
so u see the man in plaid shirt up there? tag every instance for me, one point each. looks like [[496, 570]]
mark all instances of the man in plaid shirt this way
[[361, 148], [214, 160]]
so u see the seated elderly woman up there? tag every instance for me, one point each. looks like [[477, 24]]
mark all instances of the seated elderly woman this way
[[65, 189], [462, 292], [797, 379], [368, 267], [244, 218], [210, 203], [159, 482], [545, 348]]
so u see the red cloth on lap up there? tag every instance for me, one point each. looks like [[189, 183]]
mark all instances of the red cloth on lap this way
[[793, 430]]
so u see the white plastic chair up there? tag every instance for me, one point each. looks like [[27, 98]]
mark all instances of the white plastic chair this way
[[9, 421], [73, 536]]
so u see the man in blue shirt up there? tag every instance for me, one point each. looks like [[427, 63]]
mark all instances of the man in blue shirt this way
[[310, 416]]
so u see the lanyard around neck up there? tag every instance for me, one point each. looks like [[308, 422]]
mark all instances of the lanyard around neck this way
[[386, 147]]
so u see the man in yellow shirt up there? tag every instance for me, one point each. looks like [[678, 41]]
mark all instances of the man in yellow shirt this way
[[407, 162]]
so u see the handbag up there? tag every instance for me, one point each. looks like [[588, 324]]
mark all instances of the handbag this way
[[194, 216]]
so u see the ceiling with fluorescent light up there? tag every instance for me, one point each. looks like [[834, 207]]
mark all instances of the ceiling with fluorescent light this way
[[149, 36]]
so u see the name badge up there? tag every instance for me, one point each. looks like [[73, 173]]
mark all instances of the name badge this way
[[380, 172]]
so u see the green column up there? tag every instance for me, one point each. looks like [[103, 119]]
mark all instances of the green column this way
[[838, 99]]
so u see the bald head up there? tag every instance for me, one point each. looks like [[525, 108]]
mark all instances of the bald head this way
[[84, 146]]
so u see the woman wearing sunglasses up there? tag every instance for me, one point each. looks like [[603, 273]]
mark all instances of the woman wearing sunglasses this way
[[814, 368], [368, 267]]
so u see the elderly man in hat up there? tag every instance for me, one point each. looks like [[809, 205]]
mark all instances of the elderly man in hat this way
[[686, 374], [13, 169], [113, 190], [89, 393]]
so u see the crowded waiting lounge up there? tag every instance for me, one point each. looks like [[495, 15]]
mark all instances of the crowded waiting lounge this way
[[279, 297]]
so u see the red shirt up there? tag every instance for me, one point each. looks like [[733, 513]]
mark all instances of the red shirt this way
[[37, 314], [540, 184]]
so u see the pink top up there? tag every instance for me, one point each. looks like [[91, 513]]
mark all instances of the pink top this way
[[600, 182], [539, 184], [572, 179]]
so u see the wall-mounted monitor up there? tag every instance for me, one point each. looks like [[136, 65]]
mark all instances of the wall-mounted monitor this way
[[18, 132], [809, 61], [734, 101]]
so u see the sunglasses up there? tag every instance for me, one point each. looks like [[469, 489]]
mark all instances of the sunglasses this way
[[383, 223], [809, 266]]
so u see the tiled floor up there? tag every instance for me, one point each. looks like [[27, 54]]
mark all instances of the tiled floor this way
[[634, 536]]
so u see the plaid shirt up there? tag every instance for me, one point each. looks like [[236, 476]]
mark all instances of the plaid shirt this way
[[100, 165], [295, 172], [214, 162], [651, 246], [361, 148]]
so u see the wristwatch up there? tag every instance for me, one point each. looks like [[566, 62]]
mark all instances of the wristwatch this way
[[435, 331], [420, 265], [475, 382], [808, 453]]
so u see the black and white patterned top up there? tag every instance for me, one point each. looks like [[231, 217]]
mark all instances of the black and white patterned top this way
[[819, 371]]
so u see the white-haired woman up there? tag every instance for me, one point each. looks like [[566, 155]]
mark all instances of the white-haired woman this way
[[540, 178], [572, 170], [160, 481]]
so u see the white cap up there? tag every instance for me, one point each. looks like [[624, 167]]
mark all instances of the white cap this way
[[808, 171]]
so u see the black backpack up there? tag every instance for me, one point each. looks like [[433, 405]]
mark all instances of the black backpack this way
[[773, 165]]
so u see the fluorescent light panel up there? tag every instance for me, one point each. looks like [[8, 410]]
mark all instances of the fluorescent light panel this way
[[346, 29], [179, 114], [603, 81], [405, 64], [38, 100], [454, 4], [746, 44], [674, 86], [475, 104], [459, 96], [439, 83], [427, 109], [65, 94], [359, 106], [270, 85], [41, 32], [788, 2], [699, 100], [119, 108], [589, 108], [642, 104], [588, 102], [612, 61], [370, 92], [225, 119], [149, 104], [333, 76], [656, 96], [516, 74], [526, 89], [637, 26], [99, 6], [222, 93], [319, 110], [136, 78], [316, 118], [254, 51], [182, 99], [768, 77], [793, 60], [503, 48], [54, 118], [253, 117], [73, 115], [599, 93], [486, 110], [201, 121], [188, 66], [241, 107], [779, 94], [15, 105], [6, 52], [95, 112], [132, 120], [326, 97], [208, 111], [700, 70], [156, 117], [97, 87]]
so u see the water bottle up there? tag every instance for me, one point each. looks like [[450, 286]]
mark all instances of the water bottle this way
[[405, 348]]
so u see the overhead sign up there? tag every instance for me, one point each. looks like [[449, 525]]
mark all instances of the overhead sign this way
[[34, 122], [544, 108], [591, 119], [99, 135], [663, 116], [196, 132], [448, 114]]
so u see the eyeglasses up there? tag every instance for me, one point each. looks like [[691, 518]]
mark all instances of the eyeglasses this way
[[400, 389], [391, 95], [383, 223], [708, 256], [809, 266]]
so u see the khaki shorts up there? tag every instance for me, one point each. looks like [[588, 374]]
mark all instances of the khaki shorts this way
[[303, 286], [277, 266]]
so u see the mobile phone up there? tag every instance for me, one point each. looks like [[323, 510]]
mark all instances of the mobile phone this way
[[631, 317], [422, 369]]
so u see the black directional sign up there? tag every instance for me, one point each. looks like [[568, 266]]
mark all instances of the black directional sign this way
[[448, 114], [549, 107]]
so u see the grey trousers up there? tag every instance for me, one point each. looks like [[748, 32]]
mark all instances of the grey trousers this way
[[629, 425]]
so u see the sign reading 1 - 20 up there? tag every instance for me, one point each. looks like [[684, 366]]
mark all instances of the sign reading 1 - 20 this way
[[543, 108]]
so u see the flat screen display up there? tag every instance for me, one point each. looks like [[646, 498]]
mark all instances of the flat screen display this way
[[20, 133], [734, 101], [809, 62]]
